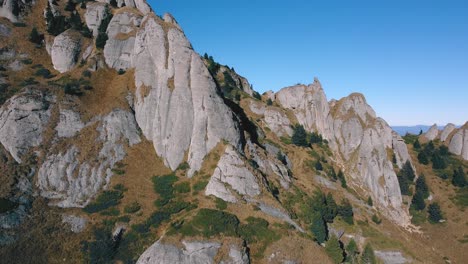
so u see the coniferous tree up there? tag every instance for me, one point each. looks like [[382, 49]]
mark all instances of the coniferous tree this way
[[421, 186], [319, 228], [35, 36], [318, 165], [459, 179], [331, 209], [438, 162], [434, 212], [334, 250], [70, 6], [416, 144], [369, 201], [408, 171], [422, 158], [351, 251], [346, 212], [404, 184], [342, 179], [299, 137], [269, 101], [418, 201], [368, 255]]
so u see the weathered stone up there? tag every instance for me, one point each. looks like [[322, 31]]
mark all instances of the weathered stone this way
[[391, 257], [66, 50], [69, 123], [4, 31], [193, 253], [459, 143], [432, 133], [448, 129], [77, 224], [95, 13], [23, 118], [231, 170]]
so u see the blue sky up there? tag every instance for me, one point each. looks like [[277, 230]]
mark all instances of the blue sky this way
[[409, 58]]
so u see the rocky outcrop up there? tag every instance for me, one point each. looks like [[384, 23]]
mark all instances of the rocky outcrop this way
[[239, 81], [448, 129], [95, 13], [176, 104], [231, 171], [23, 118], [69, 123], [12, 9], [192, 252], [65, 50], [275, 120], [119, 48], [392, 257], [459, 143], [71, 181], [359, 139], [77, 224], [432, 133], [4, 31]]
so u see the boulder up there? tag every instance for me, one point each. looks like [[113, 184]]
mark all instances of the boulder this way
[[23, 118], [432, 133], [65, 50], [231, 171], [194, 252]]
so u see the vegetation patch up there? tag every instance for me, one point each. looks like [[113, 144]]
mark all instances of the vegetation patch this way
[[210, 222], [104, 201], [164, 186]]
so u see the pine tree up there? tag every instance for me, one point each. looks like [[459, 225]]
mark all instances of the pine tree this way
[[404, 185], [35, 36], [342, 179], [269, 101], [369, 201], [70, 6], [351, 251], [346, 212], [368, 256], [299, 137], [459, 179], [421, 186], [334, 250], [418, 201], [318, 166], [331, 209], [438, 162], [319, 228], [422, 158], [407, 171], [416, 144], [435, 214]]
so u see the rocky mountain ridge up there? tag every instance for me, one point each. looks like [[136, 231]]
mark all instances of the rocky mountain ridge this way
[[147, 86]]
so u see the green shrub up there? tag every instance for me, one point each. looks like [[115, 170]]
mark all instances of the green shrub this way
[[209, 222], [183, 187], [257, 230], [35, 37], [132, 208], [45, 73], [183, 166], [334, 250], [164, 186], [256, 95], [376, 219], [19, 24], [104, 201], [86, 74], [199, 186], [269, 101], [121, 71], [368, 256], [220, 204], [27, 61], [111, 212]]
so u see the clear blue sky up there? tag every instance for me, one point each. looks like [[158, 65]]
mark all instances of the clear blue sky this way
[[409, 58]]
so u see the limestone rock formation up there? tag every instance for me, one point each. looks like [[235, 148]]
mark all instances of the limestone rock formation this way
[[72, 182], [69, 123], [95, 13], [193, 252], [176, 104], [65, 50], [276, 120], [239, 81], [432, 133], [23, 118], [231, 171], [459, 143], [448, 129], [119, 48], [359, 139], [12, 9]]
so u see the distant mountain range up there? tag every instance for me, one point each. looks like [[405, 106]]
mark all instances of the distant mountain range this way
[[402, 130]]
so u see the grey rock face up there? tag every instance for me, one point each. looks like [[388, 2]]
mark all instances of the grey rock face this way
[[239, 81], [66, 50], [141, 5], [69, 123], [459, 143], [177, 106], [432, 133], [77, 224], [193, 253], [95, 13], [12, 9], [23, 118], [448, 129], [119, 48], [359, 140], [277, 121], [231, 170], [70, 182]]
